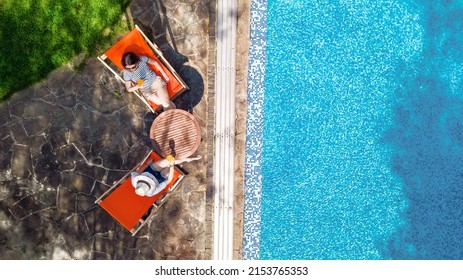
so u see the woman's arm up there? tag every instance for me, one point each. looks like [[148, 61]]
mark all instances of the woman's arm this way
[[156, 64], [130, 87], [171, 175], [180, 161], [162, 164]]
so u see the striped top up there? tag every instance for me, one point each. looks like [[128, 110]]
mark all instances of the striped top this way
[[142, 72]]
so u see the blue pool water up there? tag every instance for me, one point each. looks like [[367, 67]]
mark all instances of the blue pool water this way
[[362, 141]]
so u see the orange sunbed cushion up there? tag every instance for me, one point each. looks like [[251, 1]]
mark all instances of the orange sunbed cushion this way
[[126, 206], [134, 42]]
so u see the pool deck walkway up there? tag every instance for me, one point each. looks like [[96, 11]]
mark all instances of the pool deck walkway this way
[[224, 148], [67, 139]]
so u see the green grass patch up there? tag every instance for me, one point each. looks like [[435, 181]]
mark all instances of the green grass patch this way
[[38, 36]]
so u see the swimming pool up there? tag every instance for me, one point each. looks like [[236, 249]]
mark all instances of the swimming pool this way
[[355, 130]]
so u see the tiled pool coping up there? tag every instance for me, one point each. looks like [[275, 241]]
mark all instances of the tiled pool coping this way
[[254, 129]]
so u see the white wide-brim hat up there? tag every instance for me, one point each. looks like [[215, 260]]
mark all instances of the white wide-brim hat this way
[[142, 188]]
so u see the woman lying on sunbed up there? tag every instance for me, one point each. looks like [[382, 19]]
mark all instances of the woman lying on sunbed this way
[[156, 176], [138, 75]]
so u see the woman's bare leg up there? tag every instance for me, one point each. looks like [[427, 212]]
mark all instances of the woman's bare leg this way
[[164, 98], [154, 98]]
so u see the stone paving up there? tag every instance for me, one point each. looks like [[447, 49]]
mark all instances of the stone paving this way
[[66, 140]]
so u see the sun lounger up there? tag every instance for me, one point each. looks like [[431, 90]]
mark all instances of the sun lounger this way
[[130, 209], [137, 42]]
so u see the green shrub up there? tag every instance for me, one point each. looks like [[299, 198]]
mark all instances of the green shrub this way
[[37, 36]]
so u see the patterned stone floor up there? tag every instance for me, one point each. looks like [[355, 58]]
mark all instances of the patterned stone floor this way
[[67, 139]]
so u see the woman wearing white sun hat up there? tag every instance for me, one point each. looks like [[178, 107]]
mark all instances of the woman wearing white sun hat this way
[[156, 176]]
